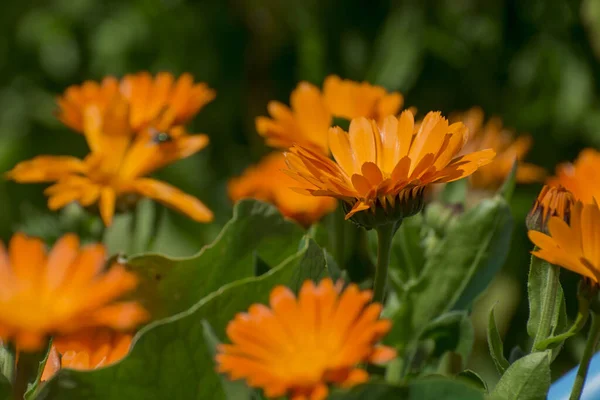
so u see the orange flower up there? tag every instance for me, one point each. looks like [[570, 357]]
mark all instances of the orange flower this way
[[494, 136], [60, 292], [267, 182], [159, 102], [385, 168], [553, 201], [299, 345], [86, 350], [574, 246], [311, 113], [113, 174], [581, 178]]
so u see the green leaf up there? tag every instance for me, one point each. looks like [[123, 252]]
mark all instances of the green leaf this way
[[7, 362], [539, 291], [5, 388], [459, 267], [172, 285], [452, 333], [408, 255], [234, 390], [473, 378], [495, 344], [170, 358], [508, 187], [455, 192], [431, 388], [526, 379]]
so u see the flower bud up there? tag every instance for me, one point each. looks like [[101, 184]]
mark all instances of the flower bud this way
[[553, 201]]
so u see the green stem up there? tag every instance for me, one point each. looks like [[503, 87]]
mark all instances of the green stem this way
[[385, 234], [590, 346], [548, 303], [580, 320], [26, 371]]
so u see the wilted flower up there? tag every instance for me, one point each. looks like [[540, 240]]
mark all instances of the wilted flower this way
[[60, 292], [553, 201], [574, 246], [127, 143], [312, 112], [266, 181], [89, 349], [492, 135], [299, 345], [581, 178], [380, 171]]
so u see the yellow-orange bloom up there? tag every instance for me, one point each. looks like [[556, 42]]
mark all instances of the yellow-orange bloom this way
[[266, 181], [86, 350], [383, 167], [312, 112], [553, 201], [581, 178], [60, 292], [494, 136], [299, 345], [127, 143], [574, 246], [160, 102]]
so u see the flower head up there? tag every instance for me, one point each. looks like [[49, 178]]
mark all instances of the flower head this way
[[574, 246], [383, 169], [123, 149], [493, 135], [266, 181], [299, 345], [553, 201], [89, 349], [61, 291], [582, 177], [311, 113]]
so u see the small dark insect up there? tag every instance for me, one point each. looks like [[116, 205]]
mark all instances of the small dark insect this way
[[161, 137]]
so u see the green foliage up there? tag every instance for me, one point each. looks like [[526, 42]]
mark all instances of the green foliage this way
[[5, 388], [527, 379], [495, 344], [170, 353]]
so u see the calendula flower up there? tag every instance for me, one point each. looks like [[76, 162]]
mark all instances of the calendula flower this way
[[60, 292], [114, 174], [575, 245], [300, 345], [266, 181], [553, 201], [89, 349], [582, 177], [380, 171], [160, 102], [312, 112], [494, 136]]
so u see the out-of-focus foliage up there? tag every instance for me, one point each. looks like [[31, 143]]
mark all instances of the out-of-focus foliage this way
[[535, 64]]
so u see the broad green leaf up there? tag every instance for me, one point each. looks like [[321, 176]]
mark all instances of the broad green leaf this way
[[172, 285], [526, 379], [473, 378], [5, 388], [453, 334], [508, 187], [7, 362], [458, 268], [408, 255], [170, 358], [542, 287], [495, 344], [234, 390], [431, 388]]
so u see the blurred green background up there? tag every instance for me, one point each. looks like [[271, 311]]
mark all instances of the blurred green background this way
[[535, 64]]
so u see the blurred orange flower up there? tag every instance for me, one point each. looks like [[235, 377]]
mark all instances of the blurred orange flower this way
[[266, 181], [384, 167], [312, 112], [89, 349], [126, 143], [508, 148], [299, 345], [60, 292], [575, 245], [582, 178]]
